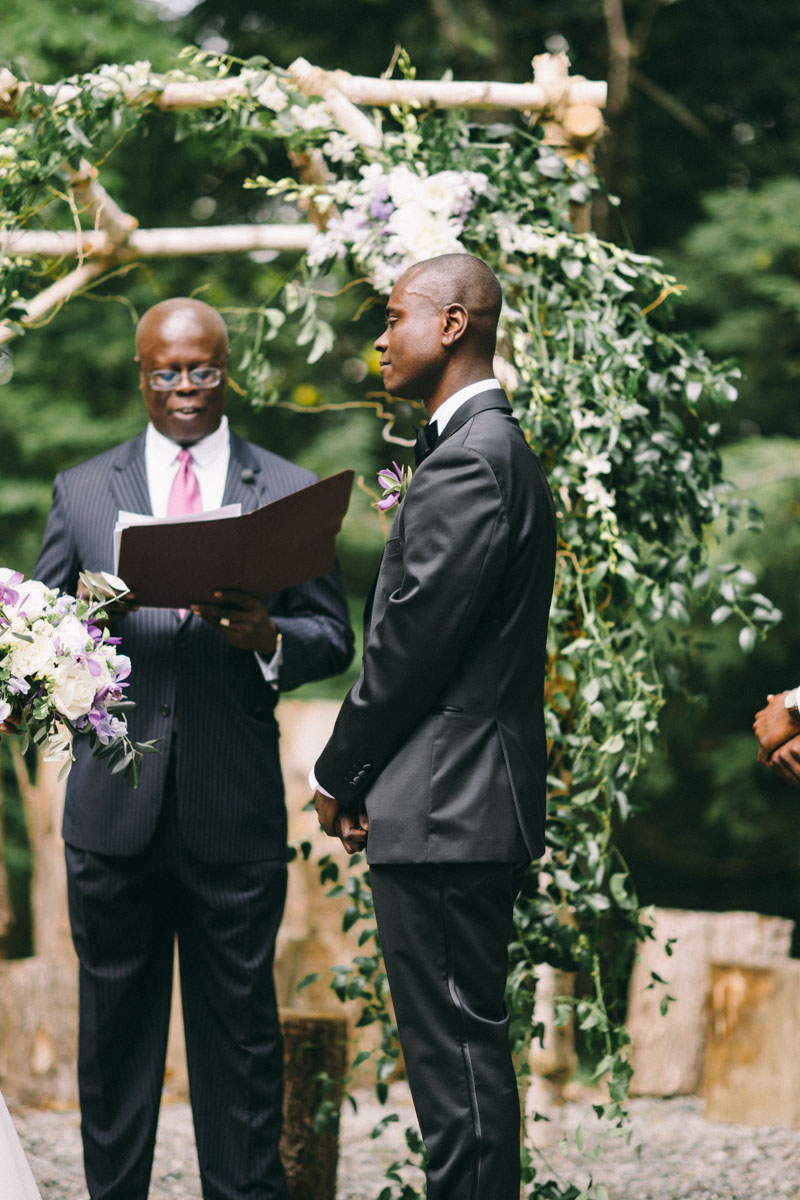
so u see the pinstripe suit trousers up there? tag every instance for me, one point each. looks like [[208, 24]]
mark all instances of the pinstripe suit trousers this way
[[126, 914]]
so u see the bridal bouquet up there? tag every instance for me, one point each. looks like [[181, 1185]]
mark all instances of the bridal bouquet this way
[[60, 672]]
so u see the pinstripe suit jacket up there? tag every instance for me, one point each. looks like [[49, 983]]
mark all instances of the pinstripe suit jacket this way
[[187, 678]]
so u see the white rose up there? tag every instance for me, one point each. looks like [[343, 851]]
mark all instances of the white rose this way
[[417, 234], [73, 635], [33, 657], [404, 185], [34, 599], [450, 191], [74, 691]]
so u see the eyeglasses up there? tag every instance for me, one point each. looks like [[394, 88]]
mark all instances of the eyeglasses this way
[[166, 380]]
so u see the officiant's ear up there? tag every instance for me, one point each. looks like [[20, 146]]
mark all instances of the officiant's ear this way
[[456, 320]]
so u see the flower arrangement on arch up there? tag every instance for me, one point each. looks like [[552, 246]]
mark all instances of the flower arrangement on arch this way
[[61, 673]]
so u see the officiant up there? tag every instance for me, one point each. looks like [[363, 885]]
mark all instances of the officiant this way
[[199, 852]]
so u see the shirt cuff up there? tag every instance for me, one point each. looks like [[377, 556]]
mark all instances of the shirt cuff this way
[[270, 667], [316, 787]]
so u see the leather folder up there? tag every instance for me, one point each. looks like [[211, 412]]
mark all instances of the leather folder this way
[[281, 544]]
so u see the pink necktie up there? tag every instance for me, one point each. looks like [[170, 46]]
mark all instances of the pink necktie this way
[[184, 495]]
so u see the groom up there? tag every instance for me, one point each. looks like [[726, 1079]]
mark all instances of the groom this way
[[437, 760]]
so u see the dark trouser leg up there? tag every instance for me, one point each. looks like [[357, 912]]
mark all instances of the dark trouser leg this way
[[121, 915], [444, 931], [228, 921]]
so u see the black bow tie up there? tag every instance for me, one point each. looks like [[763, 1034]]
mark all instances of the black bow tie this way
[[426, 437]]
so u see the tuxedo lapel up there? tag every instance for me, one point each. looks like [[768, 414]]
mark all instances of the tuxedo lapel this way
[[128, 480], [494, 398]]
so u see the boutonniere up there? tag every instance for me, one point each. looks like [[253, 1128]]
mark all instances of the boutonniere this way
[[394, 480]]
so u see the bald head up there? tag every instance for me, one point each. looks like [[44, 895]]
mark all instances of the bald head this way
[[441, 329], [461, 279], [177, 318], [182, 352]]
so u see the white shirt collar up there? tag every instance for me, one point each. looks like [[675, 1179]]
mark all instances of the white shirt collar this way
[[445, 411], [162, 452]]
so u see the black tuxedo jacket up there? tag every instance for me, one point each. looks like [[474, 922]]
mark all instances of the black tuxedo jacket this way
[[208, 702], [442, 736]]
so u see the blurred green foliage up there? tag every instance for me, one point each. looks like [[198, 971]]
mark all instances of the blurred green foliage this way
[[716, 830], [741, 264]]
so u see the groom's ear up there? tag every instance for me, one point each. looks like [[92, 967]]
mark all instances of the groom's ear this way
[[456, 320]]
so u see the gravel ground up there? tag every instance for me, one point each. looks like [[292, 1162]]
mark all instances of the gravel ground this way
[[682, 1157]]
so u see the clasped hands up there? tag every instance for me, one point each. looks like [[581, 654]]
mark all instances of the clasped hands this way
[[349, 828], [778, 734]]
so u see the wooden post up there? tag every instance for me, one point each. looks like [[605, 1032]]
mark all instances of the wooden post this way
[[315, 1063], [571, 125], [751, 1073]]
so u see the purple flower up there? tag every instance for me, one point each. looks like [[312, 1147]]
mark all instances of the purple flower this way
[[390, 477], [8, 593], [17, 686], [105, 726], [394, 480], [381, 207], [380, 210]]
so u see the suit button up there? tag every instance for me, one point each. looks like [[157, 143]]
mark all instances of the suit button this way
[[165, 710]]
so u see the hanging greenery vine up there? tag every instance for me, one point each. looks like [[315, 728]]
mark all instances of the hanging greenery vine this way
[[623, 413]]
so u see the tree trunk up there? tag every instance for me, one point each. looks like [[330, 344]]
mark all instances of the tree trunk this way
[[315, 1063]]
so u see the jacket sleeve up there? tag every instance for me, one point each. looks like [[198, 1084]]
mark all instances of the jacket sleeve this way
[[315, 624], [57, 565], [454, 552]]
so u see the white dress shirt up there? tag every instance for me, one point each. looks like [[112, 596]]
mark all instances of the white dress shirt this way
[[440, 418], [451, 405], [210, 459]]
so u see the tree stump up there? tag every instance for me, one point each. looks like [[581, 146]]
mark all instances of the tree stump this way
[[751, 1073], [667, 1051], [315, 1063], [39, 1032]]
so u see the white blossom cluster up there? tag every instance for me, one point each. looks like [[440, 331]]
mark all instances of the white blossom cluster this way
[[56, 666], [389, 219]]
